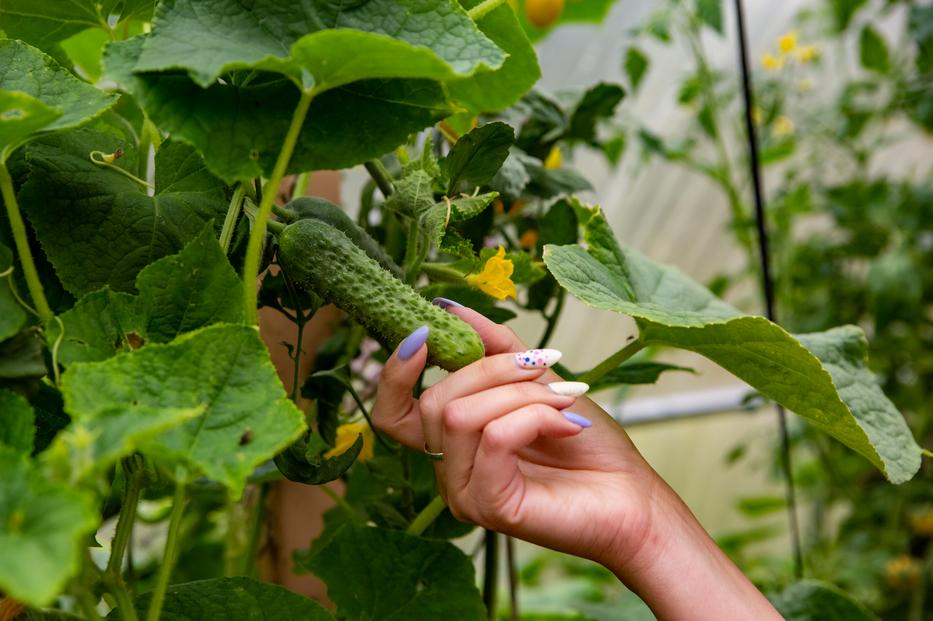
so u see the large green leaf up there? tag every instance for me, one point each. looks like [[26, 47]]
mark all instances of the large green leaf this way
[[36, 95], [239, 129], [45, 23], [830, 386], [100, 228], [42, 530], [873, 51], [233, 599], [17, 422], [177, 294], [492, 91], [318, 42], [811, 600], [386, 575], [12, 315], [94, 442], [226, 368]]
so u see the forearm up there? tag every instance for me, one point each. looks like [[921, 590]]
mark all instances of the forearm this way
[[682, 574]]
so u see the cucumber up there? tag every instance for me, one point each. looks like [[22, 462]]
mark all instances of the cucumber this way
[[322, 259], [325, 211]]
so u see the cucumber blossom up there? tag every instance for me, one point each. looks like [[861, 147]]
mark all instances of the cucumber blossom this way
[[324, 260]]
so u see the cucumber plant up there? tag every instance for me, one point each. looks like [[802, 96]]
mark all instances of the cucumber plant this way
[[142, 149]]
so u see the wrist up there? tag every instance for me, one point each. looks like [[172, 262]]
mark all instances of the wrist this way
[[680, 572]]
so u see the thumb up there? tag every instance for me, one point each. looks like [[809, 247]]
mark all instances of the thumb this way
[[396, 411]]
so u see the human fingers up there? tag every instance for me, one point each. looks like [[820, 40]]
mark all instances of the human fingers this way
[[395, 411], [496, 338], [485, 373], [464, 419], [493, 496]]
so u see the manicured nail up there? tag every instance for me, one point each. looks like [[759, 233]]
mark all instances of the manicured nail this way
[[446, 303], [537, 358], [569, 389], [576, 419], [412, 343]]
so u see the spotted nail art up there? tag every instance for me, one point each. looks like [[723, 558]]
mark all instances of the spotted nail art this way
[[537, 358]]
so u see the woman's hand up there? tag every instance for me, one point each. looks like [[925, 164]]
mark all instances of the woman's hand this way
[[516, 462]]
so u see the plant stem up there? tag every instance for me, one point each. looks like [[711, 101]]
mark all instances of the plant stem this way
[[258, 235], [484, 8], [117, 588], [381, 176], [596, 373], [255, 532], [233, 213], [552, 319], [18, 228], [132, 483], [413, 257], [441, 272], [491, 573], [171, 552], [426, 517]]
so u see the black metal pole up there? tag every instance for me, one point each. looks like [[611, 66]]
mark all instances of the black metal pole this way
[[491, 573], [767, 281]]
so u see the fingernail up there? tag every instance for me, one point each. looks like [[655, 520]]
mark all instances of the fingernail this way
[[576, 419], [412, 343], [537, 358], [446, 303], [569, 389]]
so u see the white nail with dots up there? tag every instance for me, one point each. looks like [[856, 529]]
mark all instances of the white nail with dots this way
[[569, 389], [537, 358]]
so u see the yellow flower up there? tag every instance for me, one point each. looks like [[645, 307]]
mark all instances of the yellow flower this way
[[903, 573], [787, 42], [783, 127], [771, 62], [554, 159], [806, 53], [805, 85], [756, 115], [346, 437], [496, 277]]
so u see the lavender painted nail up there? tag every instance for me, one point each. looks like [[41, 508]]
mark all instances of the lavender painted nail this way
[[412, 343], [576, 419], [446, 303]]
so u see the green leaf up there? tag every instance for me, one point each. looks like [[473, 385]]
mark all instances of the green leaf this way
[[239, 129], [511, 179], [636, 65], [46, 23], [37, 96], [17, 422], [811, 600], [710, 13], [830, 386], [478, 155], [492, 91], [177, 294], [225, 368], [844, 10], [42, 531], [636, 373], [21, 357], [432, 39], [294, 464], [94, 442], [12, 315], [598, 103], [100, 228], [414, 194], [232, 599], [873, 51], [429, 579], [548, 183]]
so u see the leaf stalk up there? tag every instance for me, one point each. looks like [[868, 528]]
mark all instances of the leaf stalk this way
[[21, 240], [427, 516], [596, 373], [170, 554], [258, 233]]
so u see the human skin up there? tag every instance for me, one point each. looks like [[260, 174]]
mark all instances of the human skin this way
[[515, 464]]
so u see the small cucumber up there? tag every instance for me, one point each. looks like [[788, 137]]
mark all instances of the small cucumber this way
[[325, 211], [324, 260]]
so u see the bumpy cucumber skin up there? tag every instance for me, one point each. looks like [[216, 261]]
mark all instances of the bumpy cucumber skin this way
[[326, 211], [324, 260]]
